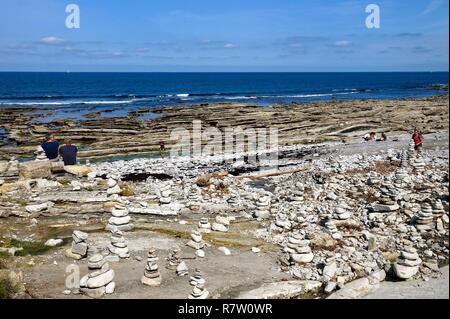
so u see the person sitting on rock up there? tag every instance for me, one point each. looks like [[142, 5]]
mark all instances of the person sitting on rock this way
[[370, 136], [68, 153], [383, 138], [50, 147]]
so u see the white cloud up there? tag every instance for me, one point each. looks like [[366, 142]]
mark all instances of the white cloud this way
[[51, 40], [229, 45], [432, 6], [343, 43]]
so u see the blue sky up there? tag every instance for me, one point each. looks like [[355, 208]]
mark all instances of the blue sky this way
[[245, 35]]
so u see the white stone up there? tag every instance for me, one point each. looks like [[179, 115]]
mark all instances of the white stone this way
[[109, 289], [329, 271], [111, 183], [36, 208], [256, 250], [100, 280], [53, 242], [114, 190], [225, 250], [405, 272], [200, 253], [219, 227], [302, 258]]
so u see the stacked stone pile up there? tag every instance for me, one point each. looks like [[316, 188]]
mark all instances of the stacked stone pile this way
[[425, 221], [79, 247], [120, 219], [98, 283], [194, 200], [407, 264], [196, 242], [262, 207], [298, 249], [118, 245], [221, 224], [151, 276], [199, 291], [204, 225], [341, 211]]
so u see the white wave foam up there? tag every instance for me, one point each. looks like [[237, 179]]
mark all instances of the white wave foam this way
[[101, 102]]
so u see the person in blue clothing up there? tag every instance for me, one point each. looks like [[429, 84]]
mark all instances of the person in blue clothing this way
[[50, 147], [68, 153]]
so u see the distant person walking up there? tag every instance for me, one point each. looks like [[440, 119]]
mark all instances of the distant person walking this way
[[68, 153], [162, 149], [50, 147], [418, 140]]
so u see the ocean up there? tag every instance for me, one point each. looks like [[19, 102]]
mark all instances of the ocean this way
[[123, 92]]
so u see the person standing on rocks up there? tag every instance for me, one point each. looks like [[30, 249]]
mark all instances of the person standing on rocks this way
[[50, 147], [418, 140], [68, 153], [162, 149]]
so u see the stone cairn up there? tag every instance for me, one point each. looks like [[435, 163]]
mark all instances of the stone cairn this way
[[174, 259], [407, 264], [424, 220], [197, 278], [373, 179], [221, 224], [262, 207], [400, 178], [118, 245], [411, 152], [174, 262], [196, 242], [194, 199], [282, 222], [182, 269], [199, 291], [96, 261], [79, 247], [151, 276], [298, 249], [98, 283], [341, 211], [333, 230], [40, 154], [387, 202], [233, 200], [165, 194], [113, 187], [404, 159], [298, 194], [204, 225], [418, 164], [438, 209], [119, 219]]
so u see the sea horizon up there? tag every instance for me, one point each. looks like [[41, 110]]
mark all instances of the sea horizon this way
[[324, 72]]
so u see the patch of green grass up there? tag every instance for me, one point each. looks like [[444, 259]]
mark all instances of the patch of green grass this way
[[3, 254], [6, 289], [30, 248]]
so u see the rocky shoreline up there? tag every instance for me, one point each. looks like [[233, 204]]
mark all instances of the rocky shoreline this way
[[332, 220], [297, 123]]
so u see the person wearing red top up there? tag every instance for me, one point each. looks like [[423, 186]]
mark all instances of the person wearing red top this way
[[418, 140]]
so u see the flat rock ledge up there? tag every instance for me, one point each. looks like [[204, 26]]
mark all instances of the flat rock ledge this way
[[282, 290]]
